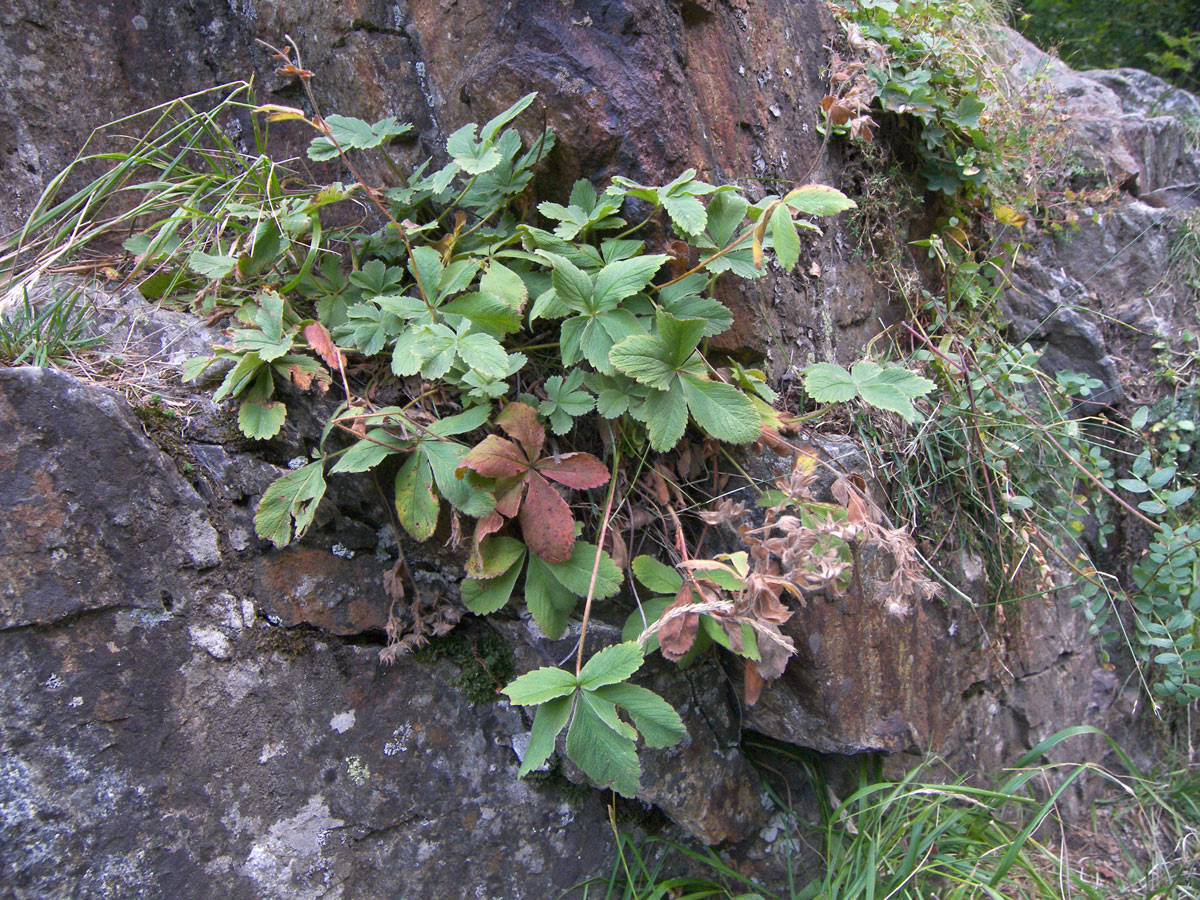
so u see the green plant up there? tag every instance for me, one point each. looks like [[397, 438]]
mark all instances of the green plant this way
[[45, 333], [477, 325], [924, 63], [911, 839]]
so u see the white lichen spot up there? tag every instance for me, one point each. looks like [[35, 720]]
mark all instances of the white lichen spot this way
[[248, 613], [296, 462], [357, 770], [139, 22], [399, 742], [53, 683], [342, 722], [210, 641], [76, 702], [342, 551], [289, 860], [270, 751], [424, 851]]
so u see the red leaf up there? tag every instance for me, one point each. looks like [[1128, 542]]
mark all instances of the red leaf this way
[[576, 470], [509, 502], [676, 637], [754, 683], [546, 521], [521, 423], [490, 523], [494, 457], [322, 343]]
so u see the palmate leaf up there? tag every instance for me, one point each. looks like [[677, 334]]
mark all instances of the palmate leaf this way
[[829, 383], [687, 213], [484, 596], [496, 556], [552, 589], [503, 283], [606, 757], [645, 359], [549, 720], [211, 265], [548, 601], [655, 576], [565, 401], [666, 418], [541, 685], [787, 242], [293, 497], [818, 200], [354, 134], [659, 724], [369, 452], [444, 458], [611, 665], [575, 574], [260, 420], [722, 410], [892, 389], [624, 278]]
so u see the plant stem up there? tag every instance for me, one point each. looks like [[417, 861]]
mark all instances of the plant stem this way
[[587, 606], [632, 228]]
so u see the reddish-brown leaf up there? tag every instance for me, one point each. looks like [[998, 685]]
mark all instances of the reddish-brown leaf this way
[[774, 652], [302, 378], [851, 491], [489, 524], [678, 634], [322, 343], [494, 457], [546, 521], [681, 257], [508, 502], [581, 471], [520, 422], [617, 549], [754, 683]]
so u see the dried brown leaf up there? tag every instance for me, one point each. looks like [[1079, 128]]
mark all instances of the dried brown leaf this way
[[677, 635], [323, 345]]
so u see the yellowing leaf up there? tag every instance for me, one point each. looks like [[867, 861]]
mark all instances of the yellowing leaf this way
[[1008, 216]]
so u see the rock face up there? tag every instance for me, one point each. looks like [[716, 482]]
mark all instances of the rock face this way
[[187, 712], [161, 739], [87, 500], [1096, 297]]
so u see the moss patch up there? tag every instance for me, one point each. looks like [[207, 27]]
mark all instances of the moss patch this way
[[485, 661]]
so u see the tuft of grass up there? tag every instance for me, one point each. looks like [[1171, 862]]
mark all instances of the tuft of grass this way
[[912, 839], [47, 333], [186, 176]]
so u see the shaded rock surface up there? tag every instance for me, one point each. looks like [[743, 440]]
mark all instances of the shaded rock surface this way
[[160, 738]]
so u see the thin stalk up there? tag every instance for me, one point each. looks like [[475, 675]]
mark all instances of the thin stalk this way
[[587, 606], [632, 228]]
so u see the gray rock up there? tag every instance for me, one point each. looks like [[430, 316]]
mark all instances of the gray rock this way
[[85, 501], [144, 758]]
